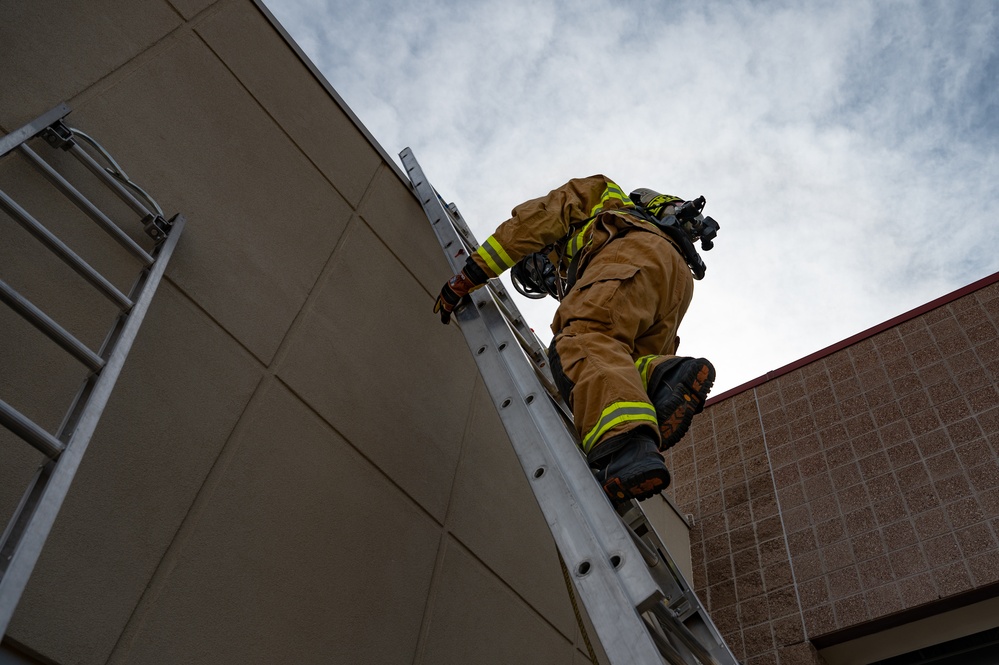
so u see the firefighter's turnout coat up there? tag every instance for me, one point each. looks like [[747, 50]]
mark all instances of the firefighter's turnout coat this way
[[629, 287]]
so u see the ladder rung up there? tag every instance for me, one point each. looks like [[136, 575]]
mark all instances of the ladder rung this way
[[26, 428], [47, 325], [86, 206], [65, 253]]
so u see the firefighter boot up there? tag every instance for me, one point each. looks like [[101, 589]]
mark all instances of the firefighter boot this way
[[630, 466], [678, 388]]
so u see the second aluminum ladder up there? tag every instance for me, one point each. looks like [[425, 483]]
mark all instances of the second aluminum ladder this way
[[29, 527]]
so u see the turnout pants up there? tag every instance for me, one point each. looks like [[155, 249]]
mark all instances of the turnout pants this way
[[616, 324]]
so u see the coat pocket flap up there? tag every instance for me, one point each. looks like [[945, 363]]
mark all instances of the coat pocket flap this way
[[602, 273]]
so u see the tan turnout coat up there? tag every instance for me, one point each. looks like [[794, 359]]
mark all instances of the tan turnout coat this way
[[621, 315]]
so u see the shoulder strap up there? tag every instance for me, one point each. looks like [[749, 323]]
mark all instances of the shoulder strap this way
[[671, 227]]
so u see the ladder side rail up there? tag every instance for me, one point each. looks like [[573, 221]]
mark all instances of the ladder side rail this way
[[28, 530], [607, 572], [38, 125]]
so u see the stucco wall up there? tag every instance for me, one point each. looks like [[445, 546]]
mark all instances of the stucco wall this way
[[299, 464], [853, 492]]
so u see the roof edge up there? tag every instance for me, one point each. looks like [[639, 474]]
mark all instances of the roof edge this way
[[859, 337], [773, 374], [332, 92]]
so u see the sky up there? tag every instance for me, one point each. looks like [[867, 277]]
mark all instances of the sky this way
[[848, 149]]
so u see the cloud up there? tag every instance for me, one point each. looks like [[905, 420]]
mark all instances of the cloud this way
[[848, 149]]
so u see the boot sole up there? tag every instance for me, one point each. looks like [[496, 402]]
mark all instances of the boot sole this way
[[687, 402], [643, 485]]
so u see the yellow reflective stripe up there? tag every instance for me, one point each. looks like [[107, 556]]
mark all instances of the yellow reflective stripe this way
[[487, 257], [582, 238], [576, 242], [613, 192], [495, 256], [615, 414], [643, 368]]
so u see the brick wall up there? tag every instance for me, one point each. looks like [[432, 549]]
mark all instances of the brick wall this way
[[857, 484]]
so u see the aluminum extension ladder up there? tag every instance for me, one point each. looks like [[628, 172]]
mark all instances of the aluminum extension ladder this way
[[29, 527], [640, 606]]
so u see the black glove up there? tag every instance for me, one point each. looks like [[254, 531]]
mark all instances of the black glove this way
[[459, 286]]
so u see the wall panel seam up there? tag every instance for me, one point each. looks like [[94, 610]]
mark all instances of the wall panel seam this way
[[164, 568], [334, 94], [277, 123], [303, 312], [425, 622], [141, 58]]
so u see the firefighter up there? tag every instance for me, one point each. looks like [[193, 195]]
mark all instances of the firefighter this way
[[624, 281]]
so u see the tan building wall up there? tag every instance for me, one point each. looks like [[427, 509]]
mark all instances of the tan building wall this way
[[855, 491], [299, 463]]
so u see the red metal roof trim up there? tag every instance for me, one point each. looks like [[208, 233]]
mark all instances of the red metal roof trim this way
[[859, 337]]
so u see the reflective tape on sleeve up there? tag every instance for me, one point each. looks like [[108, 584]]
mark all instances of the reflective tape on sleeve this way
[[582, 238], [495, 256], [612, 193]]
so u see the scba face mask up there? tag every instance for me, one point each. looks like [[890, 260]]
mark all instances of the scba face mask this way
[[682, 221]]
